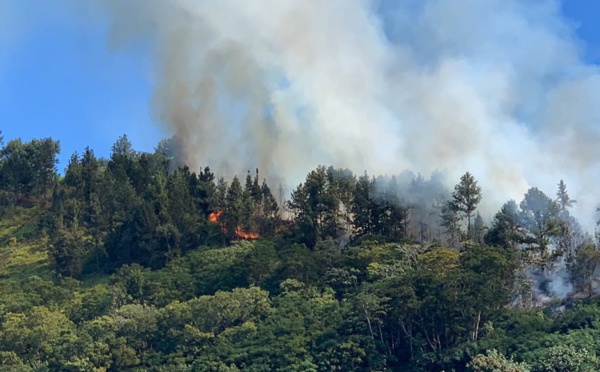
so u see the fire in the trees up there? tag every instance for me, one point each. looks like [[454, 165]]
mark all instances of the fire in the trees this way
[[239, 232]]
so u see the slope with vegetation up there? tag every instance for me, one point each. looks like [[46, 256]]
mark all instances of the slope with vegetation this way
[[137, 263]]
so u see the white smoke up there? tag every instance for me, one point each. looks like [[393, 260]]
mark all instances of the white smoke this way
[[495, 87]]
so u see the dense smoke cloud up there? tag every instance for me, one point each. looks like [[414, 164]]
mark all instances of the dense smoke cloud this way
[[496, 87]]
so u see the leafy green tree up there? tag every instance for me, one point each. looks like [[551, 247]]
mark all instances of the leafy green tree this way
[[17, 172], [373, 308], [260, 263], [485, 279], [39, 335], [493, 361], [423, 304], [565, 358], [135, 330], [28, 168]]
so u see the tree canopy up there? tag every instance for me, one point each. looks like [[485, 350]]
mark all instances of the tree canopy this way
[[139, 263]]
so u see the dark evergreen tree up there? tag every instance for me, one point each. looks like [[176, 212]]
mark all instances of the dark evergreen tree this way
[[45, 161], [505, 230], [478, 229], [180, 202], [118, 199], [363, 206], [234, 208], [270, 221], [465, 198], [451, 222], [563, 198], [204, 191], [389, 220], [540, 216], [68, 251], [315, 208]]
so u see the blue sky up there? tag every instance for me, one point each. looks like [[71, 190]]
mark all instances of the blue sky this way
[[58, 79]]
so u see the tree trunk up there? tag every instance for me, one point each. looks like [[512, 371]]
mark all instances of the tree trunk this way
[[369, 323], [469, 232], [476, 331]]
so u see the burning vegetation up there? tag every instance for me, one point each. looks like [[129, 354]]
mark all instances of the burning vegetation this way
[[240, 233], [215, 216]]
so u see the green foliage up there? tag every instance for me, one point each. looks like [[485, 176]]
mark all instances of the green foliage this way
[[465, 198], [563, 358], [583, 265], [138, 263], [504, 230], [493, 361], [28, 170], [540, 217], [318, 203], [68, 252]]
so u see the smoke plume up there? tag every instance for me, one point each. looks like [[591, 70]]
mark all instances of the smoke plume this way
[[495, 87]]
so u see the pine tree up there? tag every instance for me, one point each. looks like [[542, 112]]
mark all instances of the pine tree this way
[[465, 198], [478, 228], [563, 197], [504, 231], [363, 205], [234, 209], [68, 251], [311, 204], [540, 217], [451, 221]]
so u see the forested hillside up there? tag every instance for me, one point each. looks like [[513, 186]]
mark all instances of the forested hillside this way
[[138, 263]]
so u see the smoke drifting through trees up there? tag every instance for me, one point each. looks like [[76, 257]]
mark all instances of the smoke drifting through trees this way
[[497, 87]]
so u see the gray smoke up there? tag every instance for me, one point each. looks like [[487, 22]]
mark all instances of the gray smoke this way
[[495, 87]]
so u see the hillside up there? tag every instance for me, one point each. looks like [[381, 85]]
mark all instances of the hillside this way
[[22, 253], [137, 263]]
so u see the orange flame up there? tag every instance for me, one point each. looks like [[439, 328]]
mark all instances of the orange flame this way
[[246, 235], [216, 216]]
